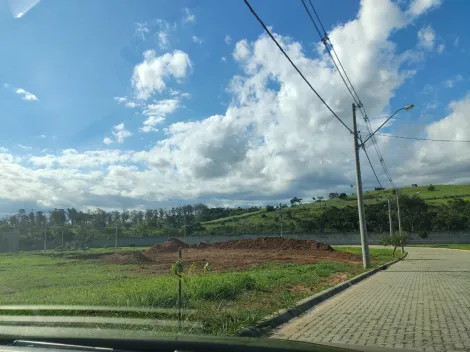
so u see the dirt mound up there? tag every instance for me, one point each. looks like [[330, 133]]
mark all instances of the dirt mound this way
[[132, 257], [171, 245], [274, 243]]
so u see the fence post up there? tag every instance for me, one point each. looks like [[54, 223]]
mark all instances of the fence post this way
[[179, 269]]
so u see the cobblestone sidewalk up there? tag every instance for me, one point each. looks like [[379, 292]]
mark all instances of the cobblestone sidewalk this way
[[422, 302]]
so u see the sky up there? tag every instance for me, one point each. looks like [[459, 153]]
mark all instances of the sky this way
[[122, 104]]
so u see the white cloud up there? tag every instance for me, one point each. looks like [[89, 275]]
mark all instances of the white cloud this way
[[223, 59], [25, 147], [188, 16], [440, 48], [427, 37], [120, 133], [150, 75], [162, 107], [157, 112], [107, 140], [197, 40], [142, 30], [418, 7], [127, 103], [451, 82], [120, 100], [130, 104], [274, 141], [434, 162], [3, 150], [150, 123], [25, 95], [228, 39], [242, 50], [456, 41]]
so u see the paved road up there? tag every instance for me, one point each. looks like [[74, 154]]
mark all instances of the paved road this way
[[422, 302]]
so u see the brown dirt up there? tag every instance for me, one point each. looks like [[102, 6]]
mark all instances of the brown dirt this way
[[274, 243], [132, 257], [169, 246], [234, 255], [338, 277]]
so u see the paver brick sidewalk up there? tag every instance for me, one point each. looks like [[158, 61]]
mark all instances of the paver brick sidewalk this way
[[422, 302]]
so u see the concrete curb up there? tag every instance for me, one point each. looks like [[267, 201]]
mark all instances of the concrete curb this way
[[267, 324]]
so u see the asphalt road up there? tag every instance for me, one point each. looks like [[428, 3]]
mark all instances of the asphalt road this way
[[422, 303]]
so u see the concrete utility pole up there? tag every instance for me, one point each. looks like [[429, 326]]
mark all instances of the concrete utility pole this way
[[398, 212], [360, 200], [390, 217], [185, 227], [116, 237]]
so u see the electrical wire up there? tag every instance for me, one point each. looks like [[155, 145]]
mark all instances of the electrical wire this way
[[292, 63], [424, 139], [329, 48], [371, 166]]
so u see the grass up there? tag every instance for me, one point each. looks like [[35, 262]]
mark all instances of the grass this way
[[224, 302], [263, 221], [449, 246]]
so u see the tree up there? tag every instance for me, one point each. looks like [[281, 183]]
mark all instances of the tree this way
[[269, 208], [396, 240], [343, 196], [314, 199], [295, 201], [333, 195], [431, 188]]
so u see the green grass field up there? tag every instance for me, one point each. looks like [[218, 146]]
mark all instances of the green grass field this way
[[224, 302], [270, 220], [450, 246]]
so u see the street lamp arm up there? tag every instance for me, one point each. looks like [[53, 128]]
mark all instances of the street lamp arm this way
[[408, 107]]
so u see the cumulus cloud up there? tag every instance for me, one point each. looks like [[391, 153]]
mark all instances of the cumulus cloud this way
[[127, 103], [427, 37], [150, 123], [25, 95], [150, 76], [418, 7], [157, 112], [120, 133], [107, 140], [274, 141]]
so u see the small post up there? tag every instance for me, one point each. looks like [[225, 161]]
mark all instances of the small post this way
[[390, 217], [180, 271]]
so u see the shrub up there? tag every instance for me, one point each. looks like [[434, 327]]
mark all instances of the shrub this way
[[396, 240], [423, 234], [431, 188]]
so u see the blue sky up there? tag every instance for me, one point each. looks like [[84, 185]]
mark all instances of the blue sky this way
[[78, 88]]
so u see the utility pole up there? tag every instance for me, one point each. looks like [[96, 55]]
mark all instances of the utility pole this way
[[185, 227], [115, 237], [390, 217], [360, 201], [398, 212]]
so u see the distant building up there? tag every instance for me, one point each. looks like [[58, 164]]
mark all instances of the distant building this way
[[9, 241]]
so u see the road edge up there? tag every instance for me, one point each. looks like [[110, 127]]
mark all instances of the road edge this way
[[267, 324]]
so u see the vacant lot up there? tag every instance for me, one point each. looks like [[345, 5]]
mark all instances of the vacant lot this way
[[242, 286]]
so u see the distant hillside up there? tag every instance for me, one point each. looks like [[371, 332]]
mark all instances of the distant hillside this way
[[341, 214]]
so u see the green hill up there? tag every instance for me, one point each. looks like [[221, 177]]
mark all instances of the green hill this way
[[320, 215]]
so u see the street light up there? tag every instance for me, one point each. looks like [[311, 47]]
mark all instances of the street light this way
[[406, 107], [360, 200]]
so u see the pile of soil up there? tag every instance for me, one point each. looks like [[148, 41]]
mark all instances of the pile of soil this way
[[171, 245], [274, 243], [132, 257]]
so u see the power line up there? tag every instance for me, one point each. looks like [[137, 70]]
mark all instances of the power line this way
[[424, 139], [292, 63], [329, 47], [371, 166]]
